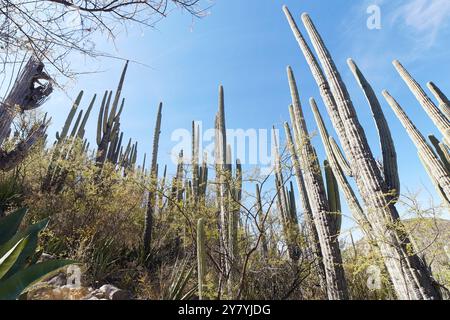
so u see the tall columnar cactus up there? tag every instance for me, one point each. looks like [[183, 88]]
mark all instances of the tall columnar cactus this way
[[439, 172], [194, 161], [148, 227], [324, 221], [444, 103], [408, 273], [334, 200], [27, 93], [199, 173], [222, 173], [288, 218], [261, 218], [60, 136], [65, 142], [343, 163], [312, 238], [161, 191], [428, 170], [322, 83], [436, 115], [108, 127], [339, 175], [177, 182], [203, 177], [82, 128], [442, 151], [201, 257], [229, 194], [233, 227], [144, 160], [390, 170]]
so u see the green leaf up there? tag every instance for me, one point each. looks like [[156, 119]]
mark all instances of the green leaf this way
[[10, 224], [8, 259], [11, 288], [32, 233]]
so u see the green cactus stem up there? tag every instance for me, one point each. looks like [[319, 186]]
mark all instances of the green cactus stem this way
[[201, 257]]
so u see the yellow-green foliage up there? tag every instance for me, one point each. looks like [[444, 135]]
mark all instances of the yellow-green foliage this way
[[96, 218], [366, 275]]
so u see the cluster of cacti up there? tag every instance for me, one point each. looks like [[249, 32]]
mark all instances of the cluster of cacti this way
[[318, 186], [322, 211], [109, 137], [435, 161], [27, 93], [286, 207], [378, 187], [65, 142], [177, 182], [199, 173], [229, 196]]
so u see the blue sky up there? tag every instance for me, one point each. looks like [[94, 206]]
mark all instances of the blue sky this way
[[246, 46]]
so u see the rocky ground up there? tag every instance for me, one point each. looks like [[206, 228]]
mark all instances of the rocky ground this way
[[68, 284], [431, 238]]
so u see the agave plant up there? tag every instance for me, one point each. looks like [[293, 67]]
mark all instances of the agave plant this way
[[18, 269], [179, 282]]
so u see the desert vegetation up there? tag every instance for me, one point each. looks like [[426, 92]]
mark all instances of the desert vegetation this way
[[211, 230]]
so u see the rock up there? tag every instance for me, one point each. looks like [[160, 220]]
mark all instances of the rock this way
[[58, 280], [71, 286], [113, 293], [57, 293], [45, 257]]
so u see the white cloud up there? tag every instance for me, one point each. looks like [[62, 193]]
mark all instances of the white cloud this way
[[425, 18]]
